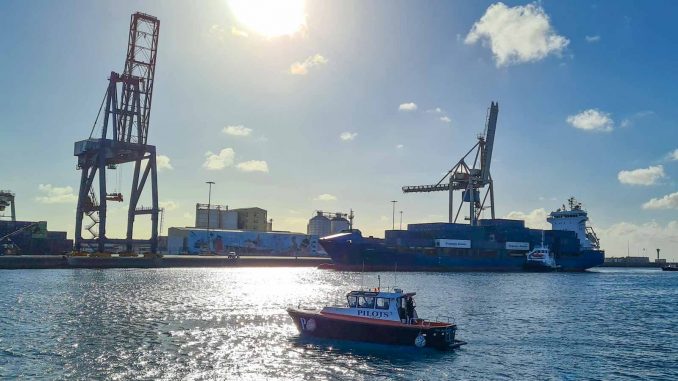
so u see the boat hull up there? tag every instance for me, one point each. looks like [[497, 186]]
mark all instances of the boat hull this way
[[331, 326]]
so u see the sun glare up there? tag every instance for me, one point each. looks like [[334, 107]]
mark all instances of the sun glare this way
[[270, 18]]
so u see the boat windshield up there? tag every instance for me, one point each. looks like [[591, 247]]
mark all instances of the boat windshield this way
[[365, 302]]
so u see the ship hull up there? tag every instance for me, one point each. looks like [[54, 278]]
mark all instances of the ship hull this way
[[357, 255]]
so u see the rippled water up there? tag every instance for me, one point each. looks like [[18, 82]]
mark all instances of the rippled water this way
[[232, 324]]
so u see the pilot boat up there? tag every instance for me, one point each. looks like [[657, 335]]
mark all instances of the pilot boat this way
[[378, 317], [540, 258]]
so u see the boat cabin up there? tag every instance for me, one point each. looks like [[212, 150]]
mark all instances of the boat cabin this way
[[376, 304]]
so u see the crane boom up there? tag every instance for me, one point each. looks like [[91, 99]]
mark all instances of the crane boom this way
[[490, 128], [138, 77]]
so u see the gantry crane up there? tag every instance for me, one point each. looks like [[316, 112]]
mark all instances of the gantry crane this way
[[470, 179], [123, 139]]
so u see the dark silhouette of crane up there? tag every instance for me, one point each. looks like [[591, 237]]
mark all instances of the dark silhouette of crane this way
[[123, 139], [470, 179]]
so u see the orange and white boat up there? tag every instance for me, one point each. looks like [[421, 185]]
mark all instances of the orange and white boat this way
[[379, 317]]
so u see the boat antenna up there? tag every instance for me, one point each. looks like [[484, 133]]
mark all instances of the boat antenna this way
[[379, 284], [362, 275], [395, 275]]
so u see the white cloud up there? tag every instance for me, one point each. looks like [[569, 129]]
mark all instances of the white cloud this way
[[670, 201], [237, 32], [346, 136], [535, 219], [55, 195], [411, 106], [642, 176], [673, 155], [238, 130], [253, 166], [301, 68], [168, 205], [436, 110], [163, 162], [625, 237], [517, 34], [595, 38], [628, 122], [400, 146], [219, 161], [325, 197], [591, 120], [445, 119]]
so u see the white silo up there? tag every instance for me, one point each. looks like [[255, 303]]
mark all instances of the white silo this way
[[339, 223], [319, 225]]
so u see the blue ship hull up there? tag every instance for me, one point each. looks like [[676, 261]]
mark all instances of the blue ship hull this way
[[415, 249]]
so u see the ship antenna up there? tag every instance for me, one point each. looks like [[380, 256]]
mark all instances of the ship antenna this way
[[542, 238]]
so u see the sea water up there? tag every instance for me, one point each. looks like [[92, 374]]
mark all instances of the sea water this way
[[202, 324]]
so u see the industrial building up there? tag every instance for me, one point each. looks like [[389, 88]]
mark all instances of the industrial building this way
[[325, 223], [221, 217], [218, 241]]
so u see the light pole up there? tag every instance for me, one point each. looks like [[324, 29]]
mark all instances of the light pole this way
[[401, 220], [393, 225], [209, 211]]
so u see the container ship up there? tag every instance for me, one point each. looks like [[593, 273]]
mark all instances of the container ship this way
[[492, 245], [481, 244]]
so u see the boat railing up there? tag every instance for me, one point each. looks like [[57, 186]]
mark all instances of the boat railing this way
[[448, 319]]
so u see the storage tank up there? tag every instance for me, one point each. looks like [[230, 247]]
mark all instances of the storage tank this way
[[338, 224], [319, 226]]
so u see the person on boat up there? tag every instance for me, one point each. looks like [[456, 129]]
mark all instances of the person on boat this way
[[409, 307]]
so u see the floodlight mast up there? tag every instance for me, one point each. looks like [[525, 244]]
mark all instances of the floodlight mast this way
[[469, 179]]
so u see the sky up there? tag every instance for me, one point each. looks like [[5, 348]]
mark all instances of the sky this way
[[335, 105]]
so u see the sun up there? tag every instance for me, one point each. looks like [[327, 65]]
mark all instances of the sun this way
[[270, 18]]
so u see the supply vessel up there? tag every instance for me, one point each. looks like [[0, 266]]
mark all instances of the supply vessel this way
[[481, 244]]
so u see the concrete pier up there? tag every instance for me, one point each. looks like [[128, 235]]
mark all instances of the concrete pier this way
[[168, 261]]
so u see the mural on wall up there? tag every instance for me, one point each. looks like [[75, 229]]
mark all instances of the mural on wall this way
[[252, 243]]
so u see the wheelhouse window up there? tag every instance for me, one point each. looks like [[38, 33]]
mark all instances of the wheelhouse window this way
[[352, 301], [382, 303], [365, 302]]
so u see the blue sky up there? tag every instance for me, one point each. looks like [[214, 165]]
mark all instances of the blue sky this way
[[586, 93]]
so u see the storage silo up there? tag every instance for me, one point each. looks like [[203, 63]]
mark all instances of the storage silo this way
[[339, 223], [319, 226]]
